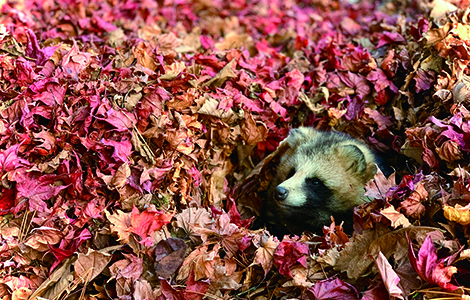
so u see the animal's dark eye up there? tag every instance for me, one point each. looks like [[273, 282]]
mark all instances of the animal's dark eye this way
[[314, 181], [291, 173]]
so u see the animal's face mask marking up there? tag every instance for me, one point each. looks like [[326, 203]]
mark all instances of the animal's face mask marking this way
[[321, 174]]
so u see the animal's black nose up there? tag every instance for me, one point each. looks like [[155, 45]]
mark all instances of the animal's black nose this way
[[280, 194]]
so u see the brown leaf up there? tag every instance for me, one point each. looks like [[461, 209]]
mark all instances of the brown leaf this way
[[201, 261], [167, 42], [143, 290], [412, 205], [120, 223], [44, 237], [144, 58], [58, 281], [436, 35], [440, 8], [449, 151], [359, 254], [211, 108], [377, 187], [120, 177], [193, 216], [90, 265], [233, 40], [253, 132], [129, 268], [225, 74], [264, 255], [169, 255]]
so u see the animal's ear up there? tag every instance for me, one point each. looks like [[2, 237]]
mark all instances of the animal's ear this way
[[299, 135], [353, 158]]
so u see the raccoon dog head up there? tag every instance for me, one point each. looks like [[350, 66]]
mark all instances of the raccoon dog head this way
[[321, 174]]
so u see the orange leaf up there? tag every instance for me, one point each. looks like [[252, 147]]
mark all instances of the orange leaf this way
[[147, 222], [459, 214]]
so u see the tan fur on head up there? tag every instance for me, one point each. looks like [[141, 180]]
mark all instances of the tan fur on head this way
[[320, 173]]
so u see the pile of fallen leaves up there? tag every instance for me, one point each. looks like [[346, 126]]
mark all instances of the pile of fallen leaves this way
[[133, 135]]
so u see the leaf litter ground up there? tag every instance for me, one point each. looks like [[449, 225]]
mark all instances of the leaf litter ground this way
[[136, 139]]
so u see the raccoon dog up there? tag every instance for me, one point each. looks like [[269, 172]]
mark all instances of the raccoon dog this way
[[321, 174]]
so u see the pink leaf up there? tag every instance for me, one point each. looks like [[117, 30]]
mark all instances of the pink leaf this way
[[429, 268], [334, 289]]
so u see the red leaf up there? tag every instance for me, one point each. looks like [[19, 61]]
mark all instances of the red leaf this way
[[195, 290], [288, 253], [7, 200], [147, 222], [169, 293]]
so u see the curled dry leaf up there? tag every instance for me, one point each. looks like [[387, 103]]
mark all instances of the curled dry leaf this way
[[378, 187], [459, 214]]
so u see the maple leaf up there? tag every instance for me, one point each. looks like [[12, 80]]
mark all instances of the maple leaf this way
[[424, 80], [120, 223], [288, 253], [129, 268], [201, 262], [357, 82], [378, 291], [412, 205], [235, 215], [264, 255], [33, 50], [147, 222], [253, 132], [390, 37], [9, 159], [378, 187], [7, 200], [395, 217], [333, 288], [429, 267], [67, 248], [193, 216]]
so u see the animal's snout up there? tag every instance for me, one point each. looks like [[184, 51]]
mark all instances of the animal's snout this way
[[280, 193]]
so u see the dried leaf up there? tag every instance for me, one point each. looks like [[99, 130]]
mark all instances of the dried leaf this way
[[459, 214], [90, 265], [264, 255], [359, 254], [389, 277], [395, 217]]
